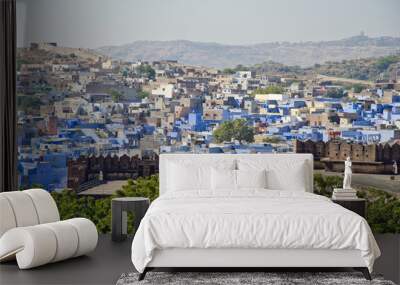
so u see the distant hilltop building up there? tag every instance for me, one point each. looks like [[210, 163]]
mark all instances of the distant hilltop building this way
[[367, 158], [88, 172]]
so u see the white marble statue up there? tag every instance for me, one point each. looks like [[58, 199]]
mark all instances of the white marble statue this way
[[101, 176], [347, 174], [395, 170]]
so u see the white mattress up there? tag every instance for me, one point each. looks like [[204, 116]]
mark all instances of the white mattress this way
[[253, 219]]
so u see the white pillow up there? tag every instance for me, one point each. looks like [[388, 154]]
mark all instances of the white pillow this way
[[223, 179], [183, 177], [251, 178], [282, 174], [278, 178], [191, 175]]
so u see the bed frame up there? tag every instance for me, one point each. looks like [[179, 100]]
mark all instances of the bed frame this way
[[250, 259], [246, 259]]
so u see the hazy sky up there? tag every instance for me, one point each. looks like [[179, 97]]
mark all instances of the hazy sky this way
[[94, 23]]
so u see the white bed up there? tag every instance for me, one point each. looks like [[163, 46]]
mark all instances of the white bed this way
[[202, 220]]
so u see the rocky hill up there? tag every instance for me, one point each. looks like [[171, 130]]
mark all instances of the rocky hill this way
[[371, 69], [42, 52], [218, 55], [386, 67]]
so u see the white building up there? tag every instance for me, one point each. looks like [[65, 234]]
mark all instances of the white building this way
[[166, 90], [109, 64], [266, 97]]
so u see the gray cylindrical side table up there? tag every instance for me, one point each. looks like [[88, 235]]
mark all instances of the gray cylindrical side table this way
[[119, 208]]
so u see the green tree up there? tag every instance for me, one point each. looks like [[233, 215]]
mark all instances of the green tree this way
[[324, 184], [234, 130], [141, 187], [146, 70], [70, 205], [272, 89], [115, 95], [273, 139], [383, 210], [241, 67], [384, 62], [143, 94], [238, 67], [28, 102], [228, 71], [20, 62], [357, 88], [336, 93]]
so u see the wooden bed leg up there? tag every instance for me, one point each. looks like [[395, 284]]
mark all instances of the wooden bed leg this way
[[143, 274], [364, 271]]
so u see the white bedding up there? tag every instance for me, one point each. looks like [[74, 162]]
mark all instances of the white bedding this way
[[250, 219]]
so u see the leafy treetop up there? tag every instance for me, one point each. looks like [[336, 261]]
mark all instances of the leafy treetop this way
[[146, 70], [115, 95], [272, 89], [143, 94], [234, 130]]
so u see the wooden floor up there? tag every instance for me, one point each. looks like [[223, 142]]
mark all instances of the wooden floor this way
[[106, 264]]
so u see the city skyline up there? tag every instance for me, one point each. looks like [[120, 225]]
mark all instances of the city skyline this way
[[76, 103]]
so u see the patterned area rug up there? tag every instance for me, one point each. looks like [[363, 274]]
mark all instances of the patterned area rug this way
[[240, 278]]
